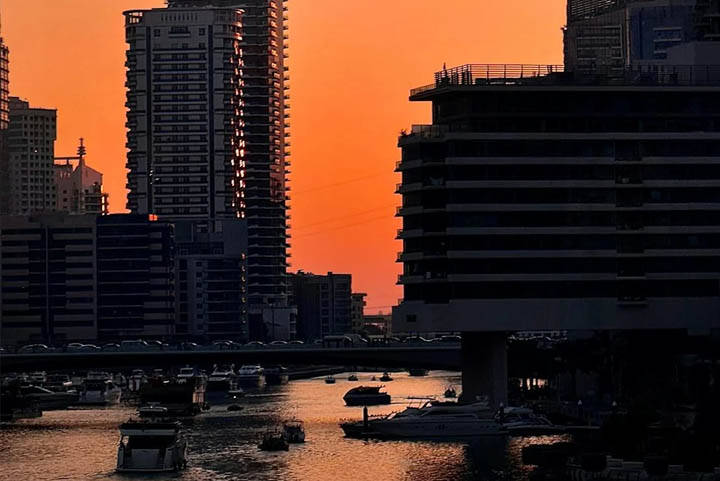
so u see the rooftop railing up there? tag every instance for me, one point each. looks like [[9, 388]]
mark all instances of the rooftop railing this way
[[555, 75]]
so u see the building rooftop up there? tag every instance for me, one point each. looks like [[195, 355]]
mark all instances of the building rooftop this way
[[475, 75]]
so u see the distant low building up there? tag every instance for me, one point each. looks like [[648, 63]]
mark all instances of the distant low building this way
[[323, 303], [378, 324], [357, 311]]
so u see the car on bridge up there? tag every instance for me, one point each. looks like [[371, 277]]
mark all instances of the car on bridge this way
[[34, 348]]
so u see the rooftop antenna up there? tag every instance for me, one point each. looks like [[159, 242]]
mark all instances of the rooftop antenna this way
[[81, 151]]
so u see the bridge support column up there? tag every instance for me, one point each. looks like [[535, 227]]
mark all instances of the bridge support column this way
[[484, 367]]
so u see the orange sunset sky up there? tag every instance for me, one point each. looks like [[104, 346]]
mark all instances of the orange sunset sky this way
[[352, 63]]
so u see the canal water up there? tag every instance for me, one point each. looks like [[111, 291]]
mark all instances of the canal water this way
[[82, 444]]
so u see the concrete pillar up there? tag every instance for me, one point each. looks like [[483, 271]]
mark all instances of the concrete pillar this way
[[484, 367]]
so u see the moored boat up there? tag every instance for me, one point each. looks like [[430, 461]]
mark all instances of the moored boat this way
[[521, 421], [251, 376], [150, 446], [177, 398], [274, 442], [276, 375], [96, 390], [352, 377], [330, 379], [386, 377], [418, 371]]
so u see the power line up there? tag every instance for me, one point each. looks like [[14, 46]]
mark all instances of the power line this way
[[340, 183], [345, 217], [367, 221]]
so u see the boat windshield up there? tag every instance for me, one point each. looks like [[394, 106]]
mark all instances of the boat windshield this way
[[150, 442], [187, 370]]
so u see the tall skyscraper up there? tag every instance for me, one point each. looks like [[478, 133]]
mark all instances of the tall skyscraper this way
[[31, 141], [612, 34], [4, 122], [256, 112]]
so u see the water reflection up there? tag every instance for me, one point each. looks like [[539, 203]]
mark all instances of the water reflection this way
[[81, 444]]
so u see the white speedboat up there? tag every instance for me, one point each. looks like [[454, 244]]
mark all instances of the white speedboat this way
[[222, 378], [251, 376], [525, 422], [147, 447], [99, 392], [433, 420]]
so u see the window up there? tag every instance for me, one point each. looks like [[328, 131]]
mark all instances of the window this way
[[156, 32], [202, 31]]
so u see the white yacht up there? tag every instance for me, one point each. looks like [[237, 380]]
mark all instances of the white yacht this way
[[151, 447], [434, 419], [251, 376], [99, 391]]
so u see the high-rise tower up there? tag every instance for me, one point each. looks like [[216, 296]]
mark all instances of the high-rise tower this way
[[265, 115], [4, 121]]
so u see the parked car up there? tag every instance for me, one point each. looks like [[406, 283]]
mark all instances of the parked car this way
[[137, 345], [416, 340], [156, 345], [222, 345], [111, 347], [34, 348], [296, 342], [255, 344], [89, 348], [278, 343], [450, 339], [189, 346]]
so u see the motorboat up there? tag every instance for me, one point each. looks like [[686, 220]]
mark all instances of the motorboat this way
[[432, 420], [386, 377], [520, 421], [274, 442], [99, 391], [14, 406], [176, 398], [352, 377], [251, 376], [294, 431], [136, 380], [47, 400], [59, 383], [366, 396], [151, 446], [330, 379], [417, 371], [222, 377], [152, 410], [276, 375], [450, 392]]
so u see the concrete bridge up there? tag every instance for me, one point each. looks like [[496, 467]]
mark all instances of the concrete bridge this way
[[429, 357]]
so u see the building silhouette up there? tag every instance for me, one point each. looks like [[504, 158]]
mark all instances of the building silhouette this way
[[324, 304], [79, 188], [540, 199], [31, 139], [357, 311], [4, 122], [206, 123]]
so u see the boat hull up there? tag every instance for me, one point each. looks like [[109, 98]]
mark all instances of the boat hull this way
[[367, 400], [251, 380]]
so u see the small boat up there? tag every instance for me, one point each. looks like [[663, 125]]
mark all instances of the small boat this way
[[151, 447], [99, 391], [366, 396], [450, 392], [274, 442], [386, 377], [417, 371], [47, 400], [251, 376], [294, 431], [59, 383], [330, 379], [352, 377], [185, 373], [38, 378], [276, 375], [177, 397]]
